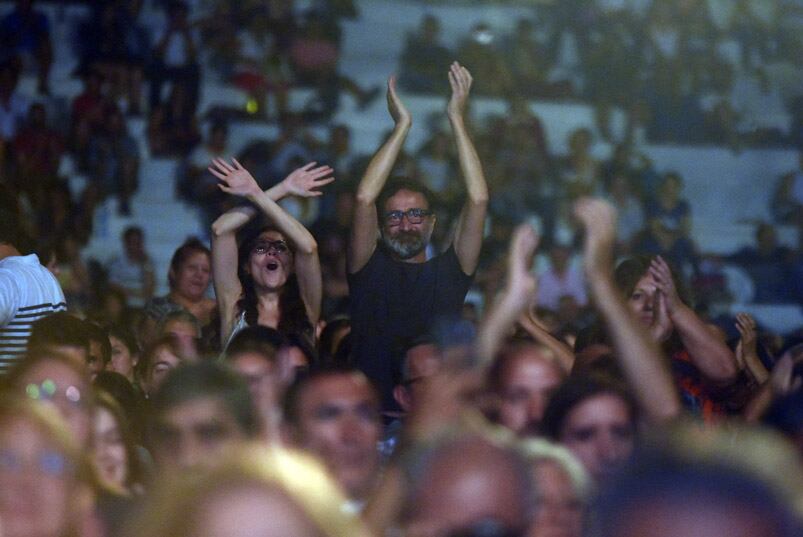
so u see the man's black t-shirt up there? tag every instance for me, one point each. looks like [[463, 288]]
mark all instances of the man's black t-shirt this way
[[393, 302]]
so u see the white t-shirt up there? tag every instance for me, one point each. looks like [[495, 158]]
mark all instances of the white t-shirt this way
[[28, 292]]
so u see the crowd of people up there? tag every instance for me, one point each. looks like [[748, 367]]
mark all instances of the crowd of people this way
[[395, 344], [290, 405], [685, 71]]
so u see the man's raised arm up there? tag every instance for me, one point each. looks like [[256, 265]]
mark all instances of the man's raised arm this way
[[468, 237], [364, 226]]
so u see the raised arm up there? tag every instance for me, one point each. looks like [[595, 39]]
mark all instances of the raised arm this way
[[638, 355], [303, 182], [364, 226], [237, 181], [516, 297], [704, 343], [468, 236]]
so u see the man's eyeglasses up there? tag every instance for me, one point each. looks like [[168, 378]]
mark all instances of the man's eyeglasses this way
[[414, 216], [264, 247]]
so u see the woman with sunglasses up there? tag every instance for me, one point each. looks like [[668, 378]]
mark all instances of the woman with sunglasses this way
[[274, 277]]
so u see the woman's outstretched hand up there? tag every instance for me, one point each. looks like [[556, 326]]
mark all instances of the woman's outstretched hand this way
[[234, 179], [304, 182]]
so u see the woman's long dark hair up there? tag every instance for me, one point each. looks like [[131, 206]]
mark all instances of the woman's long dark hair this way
[[293, 314]]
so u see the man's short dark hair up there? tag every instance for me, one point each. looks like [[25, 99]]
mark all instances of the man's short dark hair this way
[[292, 398], [60, 328], [207, 379], [577, 389], [258, 339], [402, 183]]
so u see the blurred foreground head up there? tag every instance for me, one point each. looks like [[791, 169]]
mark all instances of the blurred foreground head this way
[[690, 482], [469, 486], [45, 484], [254, 490]]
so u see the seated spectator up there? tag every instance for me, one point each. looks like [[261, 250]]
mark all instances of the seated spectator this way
[[13, 105], [768, 265], [113, 43], [523, 377], [261, 68], [630, 223], [132, 271], [314, 57], [175, 58], [526, 60], [88, 113], [124, 353], [114, 160], [480, 50], [436, 163], [562, 278], [197, 413], [188, 278], [701, 363], [114, 454], [580, 170], [196, 185], [25, 33], [157, 361], [73, 274], [595, 418], [38, 147], [254, 352], [424, 58], [61, 382], [669, 224], [335, 415], [172, 127], [787, 200]]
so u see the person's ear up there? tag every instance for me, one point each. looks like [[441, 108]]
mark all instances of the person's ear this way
[[402, 396]]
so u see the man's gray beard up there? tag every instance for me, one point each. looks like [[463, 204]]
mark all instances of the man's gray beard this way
[[405, 246]]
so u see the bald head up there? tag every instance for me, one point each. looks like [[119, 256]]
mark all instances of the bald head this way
[[468, 482]]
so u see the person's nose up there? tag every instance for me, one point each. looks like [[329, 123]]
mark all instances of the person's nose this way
[[404, 224]]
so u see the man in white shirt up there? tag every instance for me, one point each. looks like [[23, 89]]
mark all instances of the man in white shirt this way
[[28, 292]]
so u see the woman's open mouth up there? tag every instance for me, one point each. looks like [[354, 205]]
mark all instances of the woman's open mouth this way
[[272, 265]]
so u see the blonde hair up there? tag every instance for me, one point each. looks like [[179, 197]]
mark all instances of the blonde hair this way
[[175, 505], [539, 450]]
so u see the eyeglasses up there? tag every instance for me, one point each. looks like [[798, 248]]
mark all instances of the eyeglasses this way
[[414, 216], [264, 247], [49, 463]]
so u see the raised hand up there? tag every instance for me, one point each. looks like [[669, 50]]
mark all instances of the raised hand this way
[[598, 218], [521, 283], [746, 326], [661, 273], [661, 327], [460, 80], [783, 375], [235, 179], [396, 107], [305, 181]]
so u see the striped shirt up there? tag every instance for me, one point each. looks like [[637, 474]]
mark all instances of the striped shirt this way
[[28, 292]]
